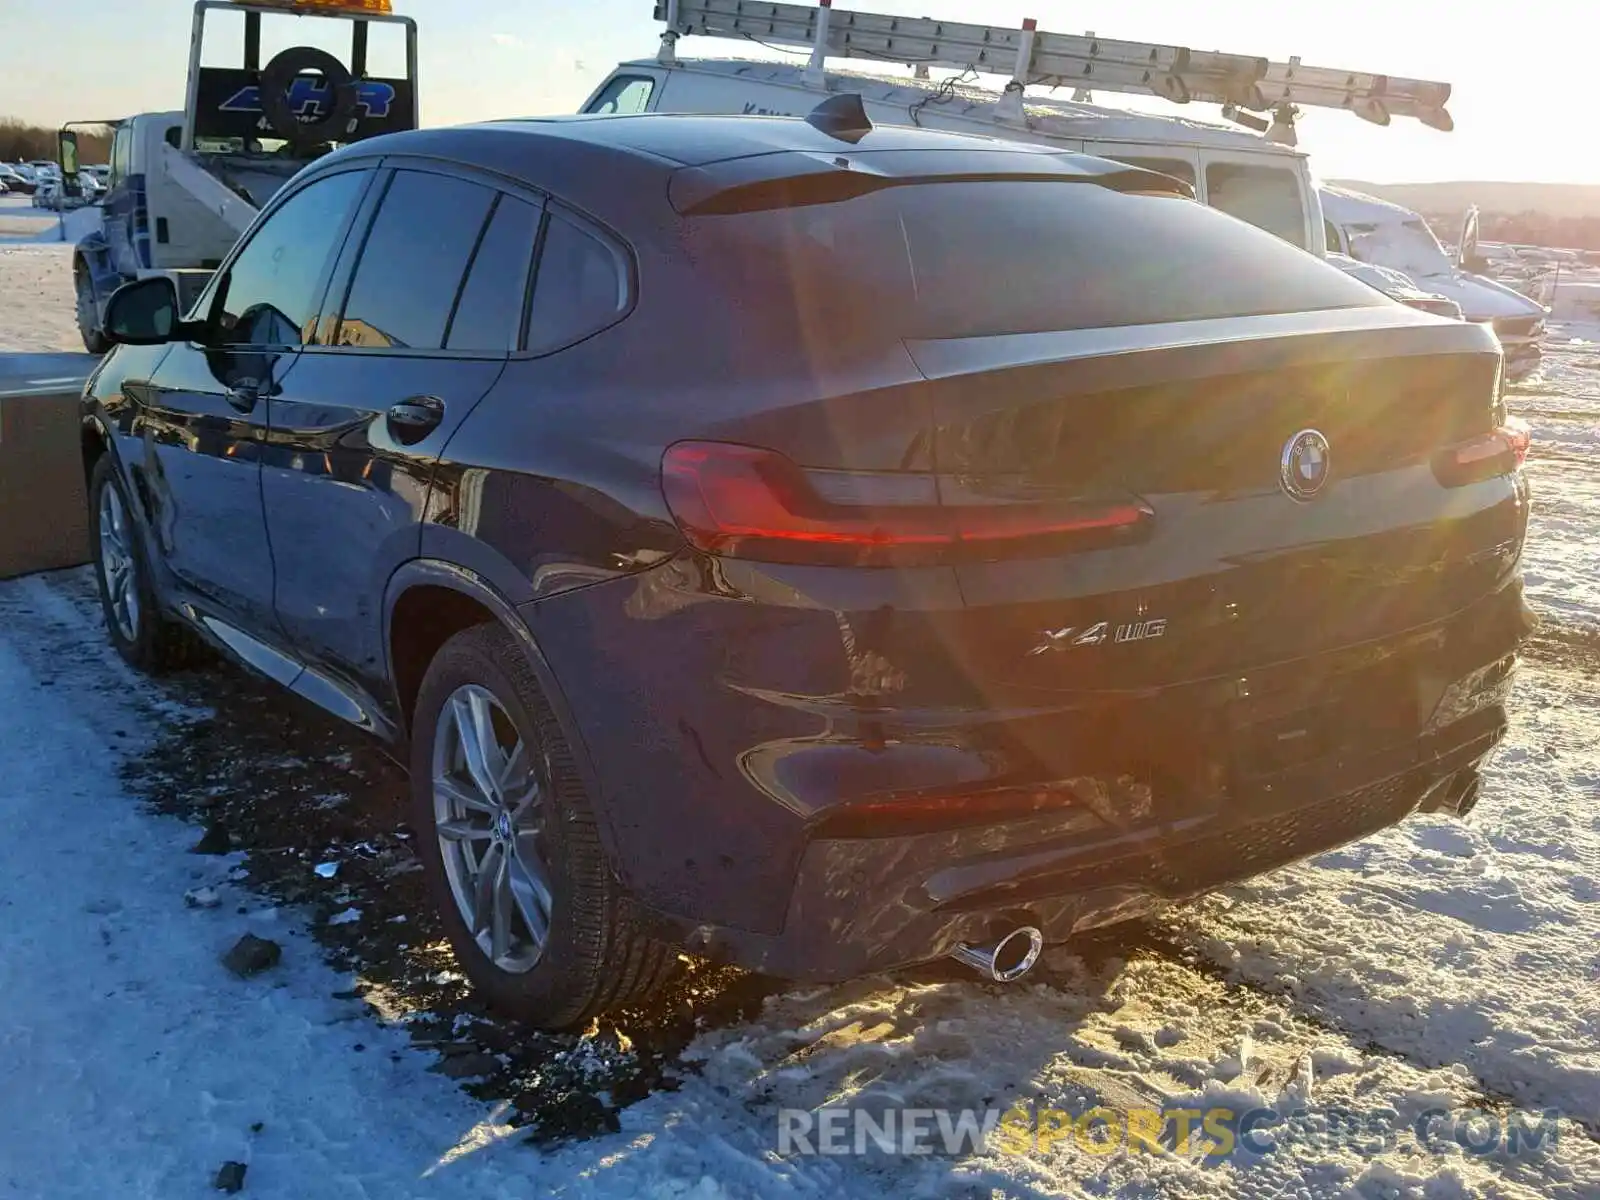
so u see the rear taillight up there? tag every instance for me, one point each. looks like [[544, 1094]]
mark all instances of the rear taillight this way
[[1499, 452], [745, 502]]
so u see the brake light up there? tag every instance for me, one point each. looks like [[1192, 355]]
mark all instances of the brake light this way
[[744, 502], [1499, 452]]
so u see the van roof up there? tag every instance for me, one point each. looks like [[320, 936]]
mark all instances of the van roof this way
[[1049, 114]]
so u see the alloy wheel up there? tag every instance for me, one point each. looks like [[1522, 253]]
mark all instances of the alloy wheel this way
[[118, 569], [489, 813]]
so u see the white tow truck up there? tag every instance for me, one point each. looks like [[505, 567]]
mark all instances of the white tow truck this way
[[184, 185]]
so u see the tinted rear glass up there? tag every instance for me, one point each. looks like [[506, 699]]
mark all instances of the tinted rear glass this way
[[972, 259]]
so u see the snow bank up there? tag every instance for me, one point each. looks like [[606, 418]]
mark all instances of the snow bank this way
[[136, 1064]]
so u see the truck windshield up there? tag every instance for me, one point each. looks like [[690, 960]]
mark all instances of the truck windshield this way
[[959, 259]]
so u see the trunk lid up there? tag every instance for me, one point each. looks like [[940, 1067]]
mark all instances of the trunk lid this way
[[1194, 419]]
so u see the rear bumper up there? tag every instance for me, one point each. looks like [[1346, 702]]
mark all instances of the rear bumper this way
[[864, 905], [861, 904]]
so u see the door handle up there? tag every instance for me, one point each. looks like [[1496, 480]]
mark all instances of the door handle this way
[[244, 397], [412, 420]]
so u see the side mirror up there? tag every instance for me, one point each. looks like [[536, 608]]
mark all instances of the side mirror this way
[[68, 155], [144, 313]]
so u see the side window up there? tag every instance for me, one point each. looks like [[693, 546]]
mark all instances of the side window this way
[[1267, 197], [121, 154], [580, 287], [625, 94], [488, 316], [1175, 167], [270, 294], [413, 263]]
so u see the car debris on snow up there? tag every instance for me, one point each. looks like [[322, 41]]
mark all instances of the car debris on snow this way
[[230, 1177], [202, 897], [470, 1064], [252, 955], [214, 841]]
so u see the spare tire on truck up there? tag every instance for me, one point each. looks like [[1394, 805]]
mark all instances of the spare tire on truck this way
[[277, 83]]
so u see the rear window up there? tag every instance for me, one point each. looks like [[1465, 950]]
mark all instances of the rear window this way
[[946, 260], [1268, 197]]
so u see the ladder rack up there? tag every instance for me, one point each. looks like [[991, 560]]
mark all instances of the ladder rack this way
[[1031, 56]]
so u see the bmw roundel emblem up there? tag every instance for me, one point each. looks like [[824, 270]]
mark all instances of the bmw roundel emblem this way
[[1305, 466]]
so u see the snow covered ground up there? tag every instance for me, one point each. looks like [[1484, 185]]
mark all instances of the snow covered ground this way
[[35, 280], [1437, 970], [23, 222]]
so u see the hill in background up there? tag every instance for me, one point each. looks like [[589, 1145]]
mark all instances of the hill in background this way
[[1562, 201], [1528, 214]]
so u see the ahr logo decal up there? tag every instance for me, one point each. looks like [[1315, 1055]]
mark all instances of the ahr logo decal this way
[[309, 98]]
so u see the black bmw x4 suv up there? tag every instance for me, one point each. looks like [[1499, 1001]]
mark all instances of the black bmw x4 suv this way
[[818, 547]]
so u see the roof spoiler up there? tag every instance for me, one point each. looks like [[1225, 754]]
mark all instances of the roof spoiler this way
[[797, 178]]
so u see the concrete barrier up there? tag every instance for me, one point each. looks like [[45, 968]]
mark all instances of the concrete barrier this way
[[43, 511]]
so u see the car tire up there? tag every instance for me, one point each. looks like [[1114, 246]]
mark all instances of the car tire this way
[[94, 338], [144, 637], [525, 851]]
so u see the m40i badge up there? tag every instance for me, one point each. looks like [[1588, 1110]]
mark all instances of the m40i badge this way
[[1098, 634]]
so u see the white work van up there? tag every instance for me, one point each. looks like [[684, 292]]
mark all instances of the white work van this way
[[1239, 172], [1233, 167]]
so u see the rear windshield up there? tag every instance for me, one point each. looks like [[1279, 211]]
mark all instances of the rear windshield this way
[[942, 260]]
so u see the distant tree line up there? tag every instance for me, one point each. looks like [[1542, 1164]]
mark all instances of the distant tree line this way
[[1536, 229], [22, 142], [1525, 229]]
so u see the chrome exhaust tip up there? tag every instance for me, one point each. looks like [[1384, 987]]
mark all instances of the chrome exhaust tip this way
[[1007, 960]]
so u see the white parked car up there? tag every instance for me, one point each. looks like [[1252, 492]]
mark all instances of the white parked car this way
[[47, 193], [1397, 286], [56, 196]]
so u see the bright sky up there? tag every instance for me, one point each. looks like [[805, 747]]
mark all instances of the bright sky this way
[[1520, 115]]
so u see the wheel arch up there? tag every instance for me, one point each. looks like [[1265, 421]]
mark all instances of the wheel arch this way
[[94, 253], [94, 442], [441, 599]]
